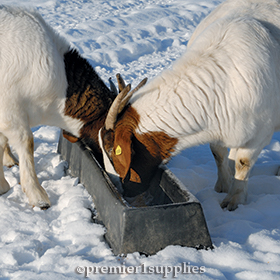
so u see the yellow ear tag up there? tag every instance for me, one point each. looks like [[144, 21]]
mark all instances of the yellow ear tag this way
[[118, 150]]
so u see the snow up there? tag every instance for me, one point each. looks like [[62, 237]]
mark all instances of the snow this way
[[137, 38]]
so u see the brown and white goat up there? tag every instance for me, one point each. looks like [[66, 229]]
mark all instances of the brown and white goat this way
[[43, 82], [225, 90]]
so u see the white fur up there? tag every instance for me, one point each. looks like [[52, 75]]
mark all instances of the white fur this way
[[114, 176], [33, 88], [224, 90], [107, 163]]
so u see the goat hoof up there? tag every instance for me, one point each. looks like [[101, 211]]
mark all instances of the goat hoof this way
[[230, 206], [37, 196], [218, 188], [231, 202], [11, 165], [43, 205]]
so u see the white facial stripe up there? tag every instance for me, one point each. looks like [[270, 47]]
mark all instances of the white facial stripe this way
[[108, 165]]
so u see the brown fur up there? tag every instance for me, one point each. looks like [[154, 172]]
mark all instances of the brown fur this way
[[158, 144], [71, 138], [91, 109], [86, 105]]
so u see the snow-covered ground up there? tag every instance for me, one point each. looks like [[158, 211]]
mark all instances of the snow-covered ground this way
[[137, 38]]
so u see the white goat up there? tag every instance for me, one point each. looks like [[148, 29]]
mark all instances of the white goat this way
[[43, 81], [224, 91]]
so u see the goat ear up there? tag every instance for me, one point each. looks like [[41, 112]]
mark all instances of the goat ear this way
[[71, 138], [113, 87], [122, 154]]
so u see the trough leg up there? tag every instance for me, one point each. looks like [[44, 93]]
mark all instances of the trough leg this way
[[4, 185]]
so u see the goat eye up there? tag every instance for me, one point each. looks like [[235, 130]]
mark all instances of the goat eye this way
[[109, 152]]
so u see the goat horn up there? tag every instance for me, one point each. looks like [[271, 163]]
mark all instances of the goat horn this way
[[121, 82], [113, 87], [113, 111], [126, 99]]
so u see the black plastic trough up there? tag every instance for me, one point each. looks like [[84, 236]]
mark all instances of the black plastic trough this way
[[171, 215]]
